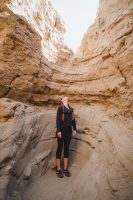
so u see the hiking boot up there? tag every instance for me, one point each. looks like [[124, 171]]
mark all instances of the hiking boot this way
[[66, 172], [59, 173]]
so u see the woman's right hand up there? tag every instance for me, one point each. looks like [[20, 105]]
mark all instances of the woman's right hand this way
[[59, 134]]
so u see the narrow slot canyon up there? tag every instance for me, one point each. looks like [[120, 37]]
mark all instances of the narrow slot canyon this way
[[36, 69]]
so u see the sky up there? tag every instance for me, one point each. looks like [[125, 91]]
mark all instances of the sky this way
[[77, 15]]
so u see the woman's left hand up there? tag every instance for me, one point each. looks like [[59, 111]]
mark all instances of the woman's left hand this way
[[74, 132]]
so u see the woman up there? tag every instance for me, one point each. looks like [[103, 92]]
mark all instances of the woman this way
[[65, 120]]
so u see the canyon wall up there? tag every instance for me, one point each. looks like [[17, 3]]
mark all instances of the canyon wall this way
[[101, 154], [44, 19], [36, 68], [31, 37], [26, 143], [101, 72], [107, 49]]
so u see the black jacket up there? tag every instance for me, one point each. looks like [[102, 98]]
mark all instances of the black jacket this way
[[67, 118]]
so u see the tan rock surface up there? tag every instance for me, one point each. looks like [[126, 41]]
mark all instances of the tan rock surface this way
[[102, 71], [101, 154], [25, 69], [26, 140], [36, 67], [107, 49], [46, 22]]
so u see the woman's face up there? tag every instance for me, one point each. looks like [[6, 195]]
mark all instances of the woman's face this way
[[65, 100]]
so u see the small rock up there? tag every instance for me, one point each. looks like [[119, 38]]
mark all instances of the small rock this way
[[27, 172]]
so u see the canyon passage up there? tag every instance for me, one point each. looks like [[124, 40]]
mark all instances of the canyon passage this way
[[36, 69]]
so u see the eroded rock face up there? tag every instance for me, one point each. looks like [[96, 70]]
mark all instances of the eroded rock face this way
[[36, 67], [107, 49], [31, 37], [102, 154], [102, 70], [44, 19], [108, 174], [101, 73], [26, 142]]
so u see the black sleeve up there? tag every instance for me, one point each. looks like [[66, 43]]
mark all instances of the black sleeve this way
[[58, 119], [74, 124]]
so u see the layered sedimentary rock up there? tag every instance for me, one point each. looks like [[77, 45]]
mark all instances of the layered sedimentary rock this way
[[101, 72], [26, 142], [108, 173], [36, 67], [31, 37], [101, 154], [107, 49], [44, 19]]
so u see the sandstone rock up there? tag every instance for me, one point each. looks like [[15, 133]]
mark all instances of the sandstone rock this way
[[47, 23], [96, 75], [27, 172], [105, 168], [29, 42], [108, 173], [24, 139], [107, 46], [37, 67]]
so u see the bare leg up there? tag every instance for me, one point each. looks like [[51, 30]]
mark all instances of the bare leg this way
[[58, 161], [66, 163]]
